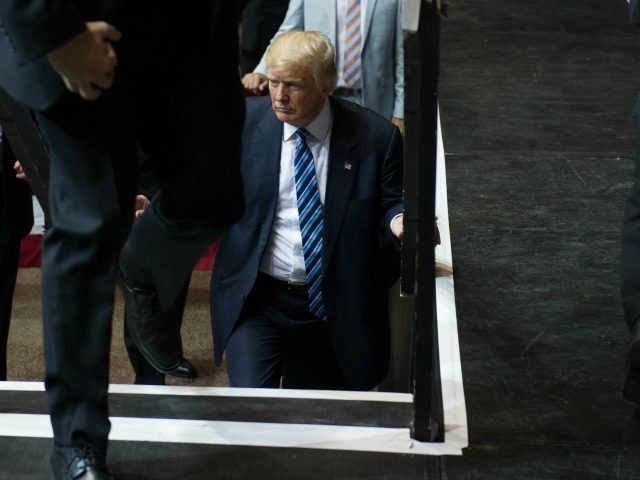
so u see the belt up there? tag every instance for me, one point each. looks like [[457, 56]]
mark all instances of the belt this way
[[291, 286], [347, 92]]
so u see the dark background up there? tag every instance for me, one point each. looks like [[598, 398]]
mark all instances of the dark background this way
[[536, 101]]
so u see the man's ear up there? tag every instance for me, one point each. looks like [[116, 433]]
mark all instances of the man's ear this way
[[328, 89]]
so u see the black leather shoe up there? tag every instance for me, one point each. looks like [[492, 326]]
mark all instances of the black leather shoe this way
[[79, 462], [631, 389], [154, 331], [185, 370]]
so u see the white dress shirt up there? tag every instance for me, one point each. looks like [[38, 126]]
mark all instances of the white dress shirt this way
[[341, 20], [283, 258]]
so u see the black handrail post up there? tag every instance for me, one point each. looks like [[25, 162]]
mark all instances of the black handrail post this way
[[421, 141]]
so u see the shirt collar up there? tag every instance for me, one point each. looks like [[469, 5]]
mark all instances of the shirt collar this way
[[319, 126]]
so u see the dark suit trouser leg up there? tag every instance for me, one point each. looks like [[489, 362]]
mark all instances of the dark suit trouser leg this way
[[16, 220], [9, 257], [92, 182], [145, 374], [630, 255], [191, 133], [277, 338]]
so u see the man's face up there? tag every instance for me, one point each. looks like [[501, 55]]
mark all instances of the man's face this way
[[295, 97]]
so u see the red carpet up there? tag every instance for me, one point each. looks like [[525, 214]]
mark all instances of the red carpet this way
[[31, 247]]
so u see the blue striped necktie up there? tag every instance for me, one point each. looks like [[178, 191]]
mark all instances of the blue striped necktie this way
[[311, 224]]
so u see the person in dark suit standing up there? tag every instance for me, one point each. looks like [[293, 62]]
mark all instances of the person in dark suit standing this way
[[103, 77], [16, 220], [260, 21], [298, 292], [145, 373], [630, 257]]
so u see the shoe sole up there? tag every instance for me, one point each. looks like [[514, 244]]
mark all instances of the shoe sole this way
[[177, 375], [181, 375]]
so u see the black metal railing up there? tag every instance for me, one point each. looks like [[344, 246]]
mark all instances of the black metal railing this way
[[418, 261]]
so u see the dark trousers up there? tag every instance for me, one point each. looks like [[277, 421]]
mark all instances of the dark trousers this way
[[16, 220], [92, 185], [145, 374], [191, 132], [630, 254], [279, 342], [15, 223], [9, 257]]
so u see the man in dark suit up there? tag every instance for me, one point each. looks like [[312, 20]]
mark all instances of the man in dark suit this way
[[289, 307], [630, 258], [160, 75], [16, 220]]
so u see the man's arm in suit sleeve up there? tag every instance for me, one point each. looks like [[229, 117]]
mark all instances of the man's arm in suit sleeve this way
[[391, 183], [36, 27], [398, 106], [293, 20], [81, 53]]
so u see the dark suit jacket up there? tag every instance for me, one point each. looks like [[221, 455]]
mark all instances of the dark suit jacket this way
[[28, 31], [364, 192], [199, 31]]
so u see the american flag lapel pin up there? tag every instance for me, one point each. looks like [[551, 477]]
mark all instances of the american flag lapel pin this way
[[347, 166]]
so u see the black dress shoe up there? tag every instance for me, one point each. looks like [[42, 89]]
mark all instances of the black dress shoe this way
[[79, 462], [185, 370], [154, 331], [631, 389]]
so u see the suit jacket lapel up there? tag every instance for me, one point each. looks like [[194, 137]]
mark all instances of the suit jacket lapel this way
[[343, 169], [371, 5], [267, 146]]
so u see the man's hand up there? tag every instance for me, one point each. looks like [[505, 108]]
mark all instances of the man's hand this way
[[397, 227], [142, 203], [398, 122], [256, 83], [17, 167], [87, 62]]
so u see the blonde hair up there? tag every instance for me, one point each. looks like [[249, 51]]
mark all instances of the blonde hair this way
[[308, 50]]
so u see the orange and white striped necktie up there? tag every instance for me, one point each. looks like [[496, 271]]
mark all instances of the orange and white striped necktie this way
[[352, 66]]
